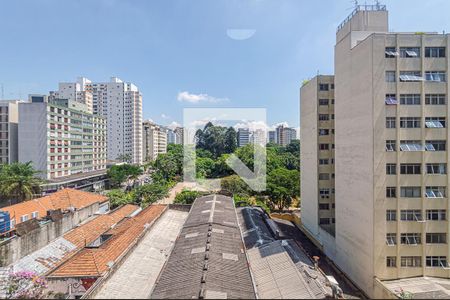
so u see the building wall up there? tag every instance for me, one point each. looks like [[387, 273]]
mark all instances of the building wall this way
[[19, 246], [8, 131], [33, 135]]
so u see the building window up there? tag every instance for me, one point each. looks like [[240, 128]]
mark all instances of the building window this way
[[324, 206], [24, 218], [437, 261], [391, 99], [323, 161], [410, 122], [410, 99], [391, 52], [410, 239], [411, 146], [391, 261], [391, 169], [435, 99], [391, 215], [411, 215], [323, 87], [410, 192], [410, 169], [437, 76], [324, 176], [409, 52], [437, 169], [391, 192], [323, 101], [332, 86], [435, 191], [391, 239], [391, 145], [324, 147], [324, 117], [324, 193], [411, 261], [324, 221], [436, 238], [435, 145], [324, 132], [435, 122], [390, 122], [434, 51], [390, 76], [34, 215], [410, 76]]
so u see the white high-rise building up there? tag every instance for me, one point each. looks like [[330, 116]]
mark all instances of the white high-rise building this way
[[121, 104], [243, 136]]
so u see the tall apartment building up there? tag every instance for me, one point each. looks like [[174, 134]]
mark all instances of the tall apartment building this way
[[243, 136], [285, 135], [61, 137], [8, 131], [391, 120], [120, 103], [272, 136], [317, 123], [175, 136], [155, 140], [258, 137], [78, 91]]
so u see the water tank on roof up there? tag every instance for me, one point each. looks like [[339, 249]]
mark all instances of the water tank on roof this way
[[5, 222]]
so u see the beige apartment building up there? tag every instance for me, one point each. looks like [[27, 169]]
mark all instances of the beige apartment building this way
[[154, 140], [61, 137], [317, 123], [9, 118], [391, 182]]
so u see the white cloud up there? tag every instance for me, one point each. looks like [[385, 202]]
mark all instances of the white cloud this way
[[174, 125], [197, 98], [164, 116], [252, 125]]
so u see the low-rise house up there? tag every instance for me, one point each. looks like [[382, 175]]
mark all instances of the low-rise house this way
[[76, 275]]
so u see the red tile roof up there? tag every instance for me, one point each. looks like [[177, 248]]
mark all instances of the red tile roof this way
[[63, 199], [93, 262], [90, 231]]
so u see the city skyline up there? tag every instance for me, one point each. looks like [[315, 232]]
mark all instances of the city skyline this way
[[182, 63]]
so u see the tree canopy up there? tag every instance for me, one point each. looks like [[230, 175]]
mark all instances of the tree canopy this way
[[19, 182]]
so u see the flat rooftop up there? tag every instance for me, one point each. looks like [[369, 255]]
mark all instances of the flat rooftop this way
[[280, 268], [208, 259], [145, 261], [420, 287]]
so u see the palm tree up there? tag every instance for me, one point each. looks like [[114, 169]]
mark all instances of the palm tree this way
[[18, 182]]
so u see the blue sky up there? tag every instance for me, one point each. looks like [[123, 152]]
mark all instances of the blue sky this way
[[168, 47]]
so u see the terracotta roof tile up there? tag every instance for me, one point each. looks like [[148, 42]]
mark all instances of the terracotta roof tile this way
[[62, 199], [93, 262]]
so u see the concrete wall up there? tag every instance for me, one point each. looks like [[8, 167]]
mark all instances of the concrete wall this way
[[33, 135], [20, 246], [308, 156]]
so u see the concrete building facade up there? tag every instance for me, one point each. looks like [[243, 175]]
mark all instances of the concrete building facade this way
[[9, 119], [243, 136], [61, 137], [317, 119], [120, 103], [154, 141], [391, 153]]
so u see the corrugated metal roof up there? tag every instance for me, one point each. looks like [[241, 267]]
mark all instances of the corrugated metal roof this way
[[221, 270], [281, 270]]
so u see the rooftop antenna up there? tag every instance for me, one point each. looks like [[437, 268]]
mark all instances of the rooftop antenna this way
[[377, 3]]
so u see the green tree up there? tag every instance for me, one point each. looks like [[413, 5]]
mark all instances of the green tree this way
[[19, 182], [235, 185], [230, 140], [150, 193], [118, 174], [187, 197], [124, 158], [282, 186], [118, 198]]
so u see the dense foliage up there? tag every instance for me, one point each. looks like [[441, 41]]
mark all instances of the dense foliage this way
[[119, 174], [18, 182], [187, 197], [25, 285]]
